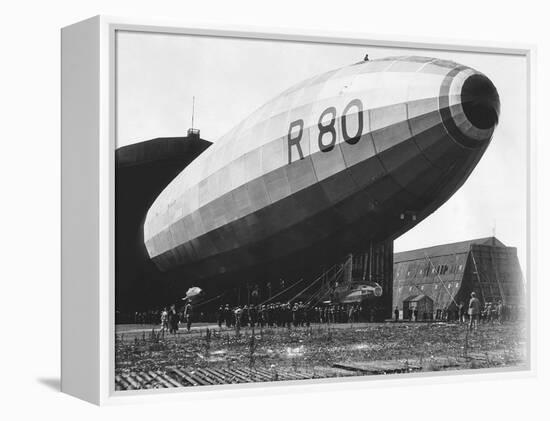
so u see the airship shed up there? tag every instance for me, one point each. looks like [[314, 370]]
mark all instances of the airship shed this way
[[435, 280], [142, 171]]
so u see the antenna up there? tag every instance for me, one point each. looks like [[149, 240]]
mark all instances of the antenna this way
[[193, 114], [192, 132]]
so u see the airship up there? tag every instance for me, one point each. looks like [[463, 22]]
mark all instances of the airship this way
[[356, 155]]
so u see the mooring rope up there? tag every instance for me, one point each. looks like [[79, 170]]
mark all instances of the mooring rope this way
[[283, 291], [321, 296], [212, 299], [305, 289]]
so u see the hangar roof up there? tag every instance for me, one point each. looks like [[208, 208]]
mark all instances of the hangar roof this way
[[445, 249]]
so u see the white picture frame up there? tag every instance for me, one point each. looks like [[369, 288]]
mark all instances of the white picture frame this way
[[88, 144]]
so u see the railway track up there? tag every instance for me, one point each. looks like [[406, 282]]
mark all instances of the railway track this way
[[177, 377]]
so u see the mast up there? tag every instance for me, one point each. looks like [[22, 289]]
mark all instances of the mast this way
[[193, 114]]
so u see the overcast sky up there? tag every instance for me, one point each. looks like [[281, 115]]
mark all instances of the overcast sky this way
[[157, 76]]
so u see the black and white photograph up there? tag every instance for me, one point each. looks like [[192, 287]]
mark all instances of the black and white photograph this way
[[275, 211], [289, 211]]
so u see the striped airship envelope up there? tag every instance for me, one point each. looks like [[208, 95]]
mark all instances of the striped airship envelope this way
[[332, 163]]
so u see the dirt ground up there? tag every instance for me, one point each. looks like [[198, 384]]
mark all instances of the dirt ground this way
[[351, 349]]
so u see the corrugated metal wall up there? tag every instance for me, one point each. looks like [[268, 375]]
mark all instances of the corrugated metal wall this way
[[496, 274], [439, 277]]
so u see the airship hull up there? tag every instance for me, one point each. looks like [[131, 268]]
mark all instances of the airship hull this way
[[328, 165]]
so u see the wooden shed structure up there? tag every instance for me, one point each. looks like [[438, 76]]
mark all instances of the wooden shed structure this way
[[418, 307]]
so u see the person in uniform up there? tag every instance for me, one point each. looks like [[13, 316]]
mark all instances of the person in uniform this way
[[188, 315], [295, 315], [262, 315], [494, 312], [252, 315], [164, 320], [173, 319], [461, 312], [269, 315], [304, 316], [238, 314], [277, 315], [474, 308], [288, 315], [221, 312], [227, 316], [309, 314], [500, 312]]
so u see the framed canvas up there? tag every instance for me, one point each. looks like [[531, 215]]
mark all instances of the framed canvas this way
[[249, 209]]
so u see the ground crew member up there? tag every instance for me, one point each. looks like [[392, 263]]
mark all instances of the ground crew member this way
[[252, 315], [238, 314], [295, 315], [188, 315], [221, 312], [164, 320], [474, 308], [228, 316], [500, 312], [288, 315], [461, 312], [173, 319]]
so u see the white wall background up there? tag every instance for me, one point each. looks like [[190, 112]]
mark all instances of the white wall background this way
[[29, 174]]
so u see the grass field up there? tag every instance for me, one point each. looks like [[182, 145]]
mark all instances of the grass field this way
[[318, 351]]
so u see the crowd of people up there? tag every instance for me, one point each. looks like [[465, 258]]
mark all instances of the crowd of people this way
[[278, 314], [170, 319], [286, 314], [489, 312]]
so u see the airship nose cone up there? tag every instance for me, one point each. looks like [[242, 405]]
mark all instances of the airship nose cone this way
[[470, 107], [480, 101]]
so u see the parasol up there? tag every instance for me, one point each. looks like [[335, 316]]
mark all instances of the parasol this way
[[192, 292]]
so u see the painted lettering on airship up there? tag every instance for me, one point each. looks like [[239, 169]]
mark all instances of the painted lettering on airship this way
[[327, 129]]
